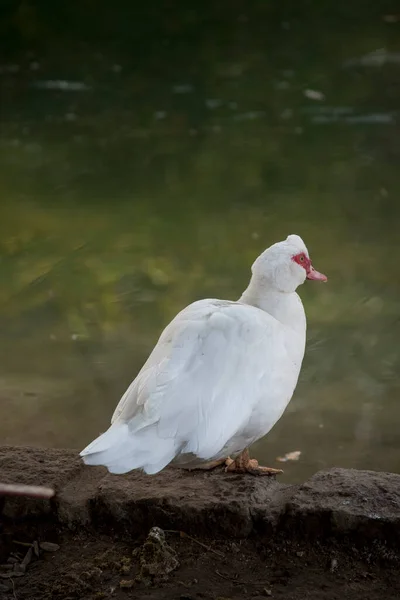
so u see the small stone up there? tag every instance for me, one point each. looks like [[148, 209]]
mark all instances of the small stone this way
[[126, 583], [49, 546], [300, 554], [334, 565]]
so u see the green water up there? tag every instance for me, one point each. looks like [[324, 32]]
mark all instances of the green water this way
[[192, 143]]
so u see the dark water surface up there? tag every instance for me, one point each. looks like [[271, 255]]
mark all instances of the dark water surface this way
[[147, 167]]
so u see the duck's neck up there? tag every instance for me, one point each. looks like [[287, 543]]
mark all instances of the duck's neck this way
[[286, 308]]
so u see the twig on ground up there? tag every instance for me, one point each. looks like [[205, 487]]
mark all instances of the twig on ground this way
[[183, 534], [32, 491], [13, 586], [240, 581], [227, 578]]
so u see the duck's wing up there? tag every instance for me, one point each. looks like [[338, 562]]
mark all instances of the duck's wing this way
[[200, 383]]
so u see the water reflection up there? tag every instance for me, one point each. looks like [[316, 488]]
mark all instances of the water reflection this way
[[129, 190]]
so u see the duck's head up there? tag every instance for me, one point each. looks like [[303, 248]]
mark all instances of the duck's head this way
[[285, 265]]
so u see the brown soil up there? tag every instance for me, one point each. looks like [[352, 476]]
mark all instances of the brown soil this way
[[90, 567], [335, 537]]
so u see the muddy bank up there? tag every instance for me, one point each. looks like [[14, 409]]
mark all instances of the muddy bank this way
[[226, 536]]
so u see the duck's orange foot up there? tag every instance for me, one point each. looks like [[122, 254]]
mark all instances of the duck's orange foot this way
[[245, 464], [213, 464]]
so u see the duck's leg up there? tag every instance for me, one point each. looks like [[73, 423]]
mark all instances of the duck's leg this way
[[210, 465], [244, 464]]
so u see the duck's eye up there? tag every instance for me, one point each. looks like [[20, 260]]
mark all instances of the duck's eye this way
[[301, 257]]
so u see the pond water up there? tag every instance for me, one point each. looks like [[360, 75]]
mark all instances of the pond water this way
[[145, 169]]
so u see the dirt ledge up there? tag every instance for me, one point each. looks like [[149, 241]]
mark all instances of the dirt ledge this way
[[229, 537], [333, 503]]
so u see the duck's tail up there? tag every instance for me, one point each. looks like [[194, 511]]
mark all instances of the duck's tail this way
[[122, 450]]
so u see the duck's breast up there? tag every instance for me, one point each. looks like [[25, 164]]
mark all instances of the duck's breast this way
[[278, 373]]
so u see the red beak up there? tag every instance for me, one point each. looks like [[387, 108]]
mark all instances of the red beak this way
[[315, 275]]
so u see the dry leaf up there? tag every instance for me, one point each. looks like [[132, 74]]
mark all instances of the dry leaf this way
[[295, 455]]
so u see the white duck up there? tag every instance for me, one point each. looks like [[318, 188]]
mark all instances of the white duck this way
[[219, 378]]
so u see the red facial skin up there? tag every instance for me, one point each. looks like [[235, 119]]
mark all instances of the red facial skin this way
[[303, 260]]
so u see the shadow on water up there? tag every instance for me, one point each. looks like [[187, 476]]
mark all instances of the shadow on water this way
[[147, 158]]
